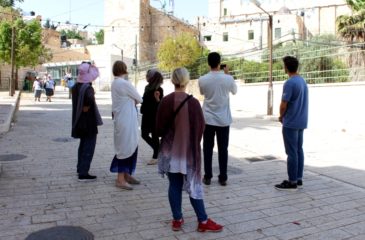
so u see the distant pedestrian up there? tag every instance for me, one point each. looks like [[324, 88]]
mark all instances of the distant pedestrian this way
[[216, 86], [180, 123], [152, 96], [70, 82], [85, 118], [124, 112], [49, 86], [37, 88], [294, 117]]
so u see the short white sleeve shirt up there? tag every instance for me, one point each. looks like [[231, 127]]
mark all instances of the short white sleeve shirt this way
[[216, 86]]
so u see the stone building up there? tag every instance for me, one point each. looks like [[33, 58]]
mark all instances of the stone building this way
[[135, 30], [235, 26]]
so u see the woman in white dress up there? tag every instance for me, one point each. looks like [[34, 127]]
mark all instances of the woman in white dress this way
[[124, 100]]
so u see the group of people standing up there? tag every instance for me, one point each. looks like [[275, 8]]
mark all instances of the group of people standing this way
[[47, 84], [173, 126]]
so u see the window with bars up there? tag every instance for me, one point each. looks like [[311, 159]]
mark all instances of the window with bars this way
[[277, 33], [251, 35], [225, 37], [208, 38]]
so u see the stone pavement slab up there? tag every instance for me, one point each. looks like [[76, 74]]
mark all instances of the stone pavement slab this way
[[42, 191]]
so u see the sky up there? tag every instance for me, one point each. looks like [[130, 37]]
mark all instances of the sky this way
[[83, 12]]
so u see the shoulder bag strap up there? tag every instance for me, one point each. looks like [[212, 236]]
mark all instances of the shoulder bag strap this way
[[177, 110]]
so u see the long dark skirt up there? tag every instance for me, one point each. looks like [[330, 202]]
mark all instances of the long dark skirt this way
[[126, 165], [37, 93], [49, 92]]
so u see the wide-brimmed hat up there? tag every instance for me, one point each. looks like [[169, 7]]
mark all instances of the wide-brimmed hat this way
[[87, 73]]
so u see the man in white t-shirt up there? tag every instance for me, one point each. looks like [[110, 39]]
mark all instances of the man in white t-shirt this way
[[216, 86]]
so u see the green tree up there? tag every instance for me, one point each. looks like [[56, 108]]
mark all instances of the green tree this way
[[182, 51], [100, 36], [200, 66], [71, 34], [47, 24], [351, 27], [356, 5], [319, 59], [29, 50], [319, 62], [9, 3]]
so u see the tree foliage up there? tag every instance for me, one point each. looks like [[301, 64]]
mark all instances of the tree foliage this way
[[71, 34], [100, 36], [319, 62], [356, 5], [352, 27], [182, 51], [29, 50], [319, 59], [200, 66], [48, 24], [9, 3]]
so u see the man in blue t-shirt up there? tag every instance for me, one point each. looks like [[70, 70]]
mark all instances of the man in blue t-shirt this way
[[294, 117]]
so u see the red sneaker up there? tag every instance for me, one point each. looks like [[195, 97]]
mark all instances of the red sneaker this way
[[176, 224], [209, 226]]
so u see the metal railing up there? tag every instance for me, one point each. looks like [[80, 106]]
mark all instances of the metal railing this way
[[319, 63]]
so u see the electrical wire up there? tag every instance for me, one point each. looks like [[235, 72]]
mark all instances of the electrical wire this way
[[78, 9]]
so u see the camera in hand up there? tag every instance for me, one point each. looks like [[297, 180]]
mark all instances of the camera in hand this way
[[223, 66]]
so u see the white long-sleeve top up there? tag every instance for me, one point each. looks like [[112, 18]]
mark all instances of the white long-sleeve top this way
[[124, 99]]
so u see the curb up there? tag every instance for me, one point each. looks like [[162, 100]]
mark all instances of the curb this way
[[4, 127], [12, 103], [273, 118]]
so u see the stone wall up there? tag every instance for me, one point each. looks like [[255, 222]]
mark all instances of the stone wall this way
[[156, 26], [5, 73], [126, 20]]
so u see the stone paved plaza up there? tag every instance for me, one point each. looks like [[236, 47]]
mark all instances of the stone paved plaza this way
[[41, 190]]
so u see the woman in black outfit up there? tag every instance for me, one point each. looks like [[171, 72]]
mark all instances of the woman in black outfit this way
[[153, 93]]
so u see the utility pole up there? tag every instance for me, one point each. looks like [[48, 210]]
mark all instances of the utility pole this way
[[270, 91], [136, 62], [12, 80]]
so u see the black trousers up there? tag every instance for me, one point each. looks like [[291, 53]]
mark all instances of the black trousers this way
[[148, 133], [85, 154], [208, 144]]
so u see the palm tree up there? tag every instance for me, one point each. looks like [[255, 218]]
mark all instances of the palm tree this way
[[352, 28]]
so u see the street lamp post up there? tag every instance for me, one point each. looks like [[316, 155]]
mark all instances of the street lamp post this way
[[270, 92]]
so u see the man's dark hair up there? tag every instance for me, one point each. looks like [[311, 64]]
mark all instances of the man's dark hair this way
[[291, 63], [214, 59]]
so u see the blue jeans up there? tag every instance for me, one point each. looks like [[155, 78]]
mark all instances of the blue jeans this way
[[176, 181], [293, 141], [85, 154], [208, 145]]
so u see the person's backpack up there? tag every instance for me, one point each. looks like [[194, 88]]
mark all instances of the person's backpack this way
[[70, 83]]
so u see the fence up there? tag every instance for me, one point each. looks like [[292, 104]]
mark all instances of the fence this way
[[319, 63]]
